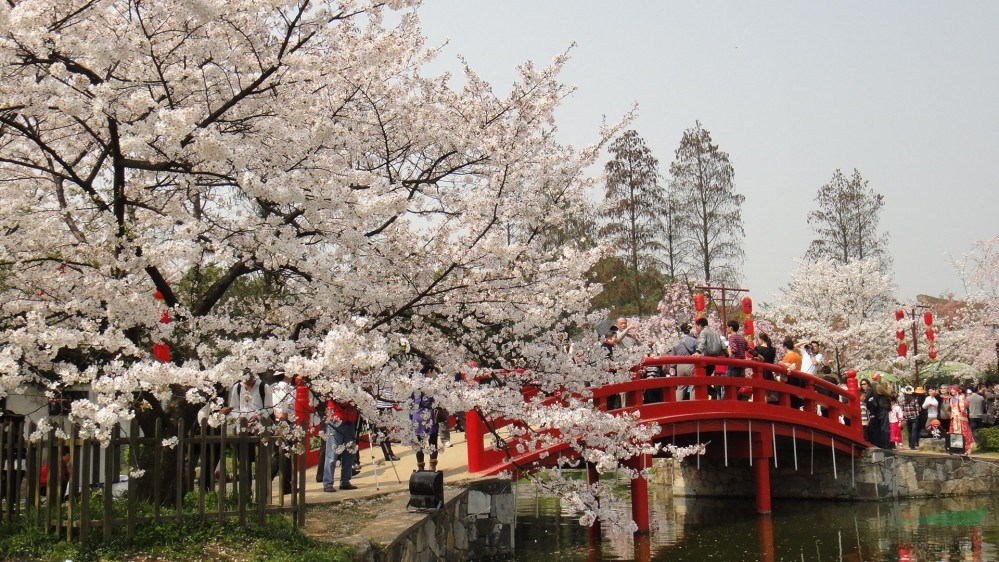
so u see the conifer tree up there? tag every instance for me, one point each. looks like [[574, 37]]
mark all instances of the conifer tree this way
[[710, 210], [846, 222], [635, 201]]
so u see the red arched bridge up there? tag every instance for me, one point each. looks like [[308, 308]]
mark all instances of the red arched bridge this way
[[774, 405]]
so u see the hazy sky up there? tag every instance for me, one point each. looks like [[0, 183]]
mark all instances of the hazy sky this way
[[905, 92]]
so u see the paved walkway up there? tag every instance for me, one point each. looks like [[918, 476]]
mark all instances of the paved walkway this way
[[380, 478]]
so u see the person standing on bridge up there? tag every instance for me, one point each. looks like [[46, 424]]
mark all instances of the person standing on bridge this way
[[792, 360], [737, 347], [709, 344], [685, 347]]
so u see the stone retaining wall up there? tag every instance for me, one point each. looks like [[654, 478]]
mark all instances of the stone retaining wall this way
[[474, 524], [876, 474]]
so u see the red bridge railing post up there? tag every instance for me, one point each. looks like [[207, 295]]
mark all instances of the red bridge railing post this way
[[701, 386], [853, 409], [759, 394]]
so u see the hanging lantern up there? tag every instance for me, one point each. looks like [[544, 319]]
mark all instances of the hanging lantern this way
[[699, 302], [903, 349], [165, 317], [747, 305], [900, 334], [928, 318], [899, 314], [750, 328], [161, 352], [933, 354], [930, 335], [157, 295]]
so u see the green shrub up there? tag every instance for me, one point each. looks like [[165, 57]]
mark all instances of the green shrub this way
[[987, 438]]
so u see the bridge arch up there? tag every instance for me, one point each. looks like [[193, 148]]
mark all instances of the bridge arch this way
[[750, 414]]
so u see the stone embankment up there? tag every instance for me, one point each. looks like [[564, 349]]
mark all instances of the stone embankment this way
[[476, 522], [875, 474]]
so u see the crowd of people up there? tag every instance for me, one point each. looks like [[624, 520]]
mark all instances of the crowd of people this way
[[892, 418], [947, 412], [253, 402]]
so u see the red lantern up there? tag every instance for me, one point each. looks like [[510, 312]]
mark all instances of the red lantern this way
[[928, 318], [900, 334], [899, 314], [699, 302], [161, 352], [933, 354], [750, 328], [157, 295], [747, 305], [903, 349], [165, 317], [930, 335]]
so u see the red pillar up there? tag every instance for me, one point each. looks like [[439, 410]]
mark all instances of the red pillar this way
[[474, 433], [701, 386], [761, 472], [765, 528], [303, 411], [640, 496], [643, 547], [762, 448]]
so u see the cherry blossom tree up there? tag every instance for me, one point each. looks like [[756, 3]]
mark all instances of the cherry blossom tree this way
[[301, 197], [967, 330], [847, 307]]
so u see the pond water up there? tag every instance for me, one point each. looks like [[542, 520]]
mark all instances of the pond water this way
[[730, 530]]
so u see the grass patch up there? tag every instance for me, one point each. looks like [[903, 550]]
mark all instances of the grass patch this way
[[191, 539]]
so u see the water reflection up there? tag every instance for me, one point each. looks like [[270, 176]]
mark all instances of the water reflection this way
[[714, 529]]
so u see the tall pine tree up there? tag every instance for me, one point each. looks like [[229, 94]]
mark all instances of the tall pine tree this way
[[710, 210], [846, 222], [633, 210]]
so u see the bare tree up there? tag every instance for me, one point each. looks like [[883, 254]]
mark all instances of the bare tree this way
[[676, 247], [634, 206], [710, 210], [846, 222]]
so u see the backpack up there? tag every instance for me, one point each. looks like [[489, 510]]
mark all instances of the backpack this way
[[712, 343], [260, 389]]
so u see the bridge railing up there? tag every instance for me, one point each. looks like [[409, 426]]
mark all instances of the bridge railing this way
[[760, 389]]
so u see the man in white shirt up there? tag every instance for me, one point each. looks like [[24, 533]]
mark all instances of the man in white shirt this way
[[817, 358], [807, 361], [250, 402]]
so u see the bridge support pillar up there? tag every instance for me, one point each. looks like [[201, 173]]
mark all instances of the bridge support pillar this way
[[640, 495], [761, 470], [593, 533]]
